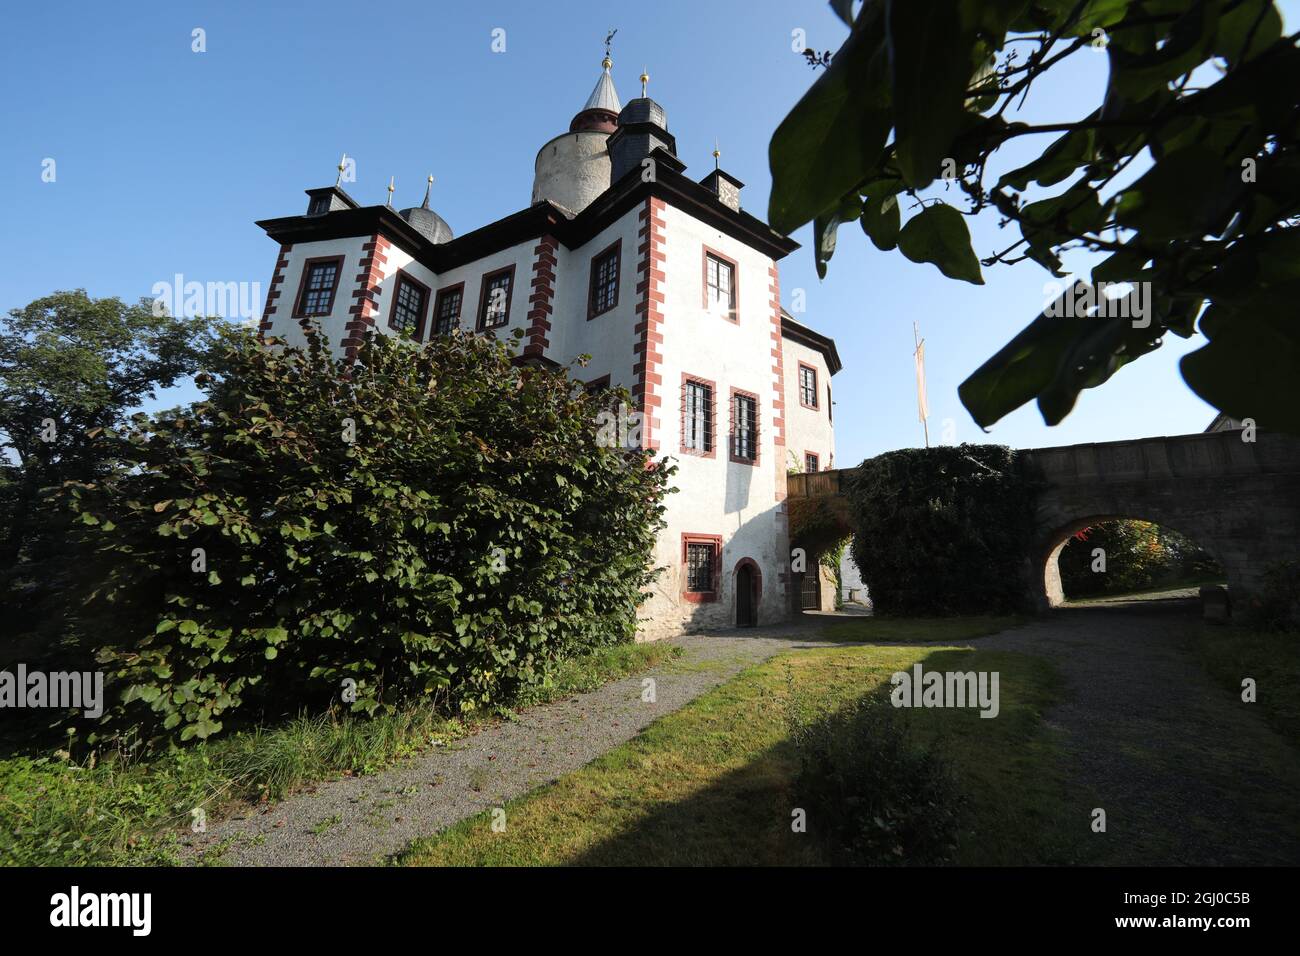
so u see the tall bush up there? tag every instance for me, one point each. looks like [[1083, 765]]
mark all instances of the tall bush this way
[[943, 530], [427, 521]]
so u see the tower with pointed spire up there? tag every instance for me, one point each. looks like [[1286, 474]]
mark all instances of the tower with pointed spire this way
[[574, 168]]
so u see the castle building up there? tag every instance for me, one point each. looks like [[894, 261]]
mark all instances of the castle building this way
[[671, 288]]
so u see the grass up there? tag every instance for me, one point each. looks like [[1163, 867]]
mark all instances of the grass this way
[[54, 812], [712, 783], [913, 630], [1168, 589], [1271, 658]]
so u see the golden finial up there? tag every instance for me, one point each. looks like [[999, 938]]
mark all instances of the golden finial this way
[[343, 164], [645, 78], [391, 187], [717, 153]]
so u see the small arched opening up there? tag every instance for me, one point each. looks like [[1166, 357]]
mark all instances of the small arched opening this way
[[748, 588]]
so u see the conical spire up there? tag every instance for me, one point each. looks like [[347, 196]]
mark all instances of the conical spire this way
[[601, 110], [604, 96]]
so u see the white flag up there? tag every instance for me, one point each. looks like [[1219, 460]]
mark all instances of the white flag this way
[[922, 406]]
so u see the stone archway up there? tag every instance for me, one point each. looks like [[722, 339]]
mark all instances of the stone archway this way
[[1046, 561]]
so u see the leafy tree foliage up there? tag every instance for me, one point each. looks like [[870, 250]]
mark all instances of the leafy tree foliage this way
[[430, 522], [1138, 554], [942, 530], [1203, 99], [69, 365]]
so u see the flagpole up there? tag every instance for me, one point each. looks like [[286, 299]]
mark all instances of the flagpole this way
[[920, 383]]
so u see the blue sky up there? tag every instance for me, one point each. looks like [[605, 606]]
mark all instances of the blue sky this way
[[165, 157]]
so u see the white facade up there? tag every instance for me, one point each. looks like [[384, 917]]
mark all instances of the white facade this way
[[659, 334]]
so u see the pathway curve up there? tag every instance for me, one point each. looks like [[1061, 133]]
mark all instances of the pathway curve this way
[[361, 820]]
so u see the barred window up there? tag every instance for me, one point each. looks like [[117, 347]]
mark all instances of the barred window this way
[[408, 307], [699, 566], [604, 282], [808, 386], [720, 284], [811, 463], [447, 311], [697, 424], [494, 309], [744, 432], [318, 291]]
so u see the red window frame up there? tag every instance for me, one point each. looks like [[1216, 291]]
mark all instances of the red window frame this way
[[307, 267], [804, 366], [715, 541], [614, 249], [442, 296], [403, 276], [758, 417], [733, 313], [481, 325], [712, 452], [811, 462]]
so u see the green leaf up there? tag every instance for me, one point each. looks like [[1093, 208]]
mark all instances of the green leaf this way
[[1248, 368], [938, 234], [930, 55], [880, 221], [834, 135]]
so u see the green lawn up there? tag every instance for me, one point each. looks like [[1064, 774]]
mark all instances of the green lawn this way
[[913, 630], [57, 813], [1272, 659], [711, 784]]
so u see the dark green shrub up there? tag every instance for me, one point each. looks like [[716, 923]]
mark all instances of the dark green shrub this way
[[1277, 606], [943, 530], [875, 795], [428, 522]]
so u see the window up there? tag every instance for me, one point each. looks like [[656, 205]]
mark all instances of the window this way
[[320, 279], [409, 302], [697, 416], [318, 206], [807, 386], [744, 427], [830, 406], [446, 311], [603, 294], [699, 567], [701, 561], [597, 386], [494, 300], [811, 463], [719, 285]]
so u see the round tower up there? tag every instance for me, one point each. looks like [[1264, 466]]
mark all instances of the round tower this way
[[573, 168]]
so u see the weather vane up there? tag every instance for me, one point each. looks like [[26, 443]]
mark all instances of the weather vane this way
[[343, 164], [391, 187]]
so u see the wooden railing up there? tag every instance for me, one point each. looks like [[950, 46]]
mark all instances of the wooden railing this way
[[818, 484]]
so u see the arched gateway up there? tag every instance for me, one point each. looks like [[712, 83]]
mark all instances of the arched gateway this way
[[1238, 500]]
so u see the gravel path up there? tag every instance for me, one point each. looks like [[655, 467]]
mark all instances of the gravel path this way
[[361, 820], [1186, 772]]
